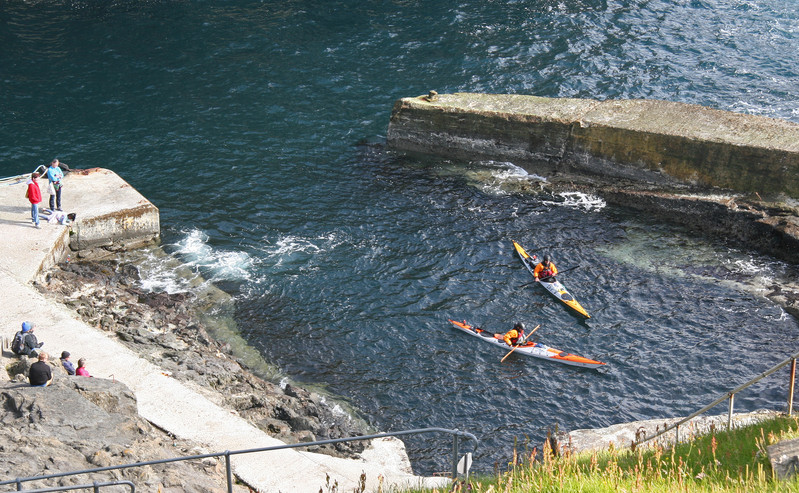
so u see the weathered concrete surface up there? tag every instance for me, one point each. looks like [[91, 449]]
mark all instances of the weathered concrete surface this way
[[648, 141], [109, 224], [166, 402], [622, 435]]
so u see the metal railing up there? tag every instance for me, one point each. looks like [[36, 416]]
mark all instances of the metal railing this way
[[731, 396], [94, 486], [13, 180], [456, 436]]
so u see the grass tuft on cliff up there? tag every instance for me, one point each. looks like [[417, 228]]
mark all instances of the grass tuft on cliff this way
[[722, 461]]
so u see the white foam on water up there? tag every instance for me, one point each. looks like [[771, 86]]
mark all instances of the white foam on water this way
[[160, 271], [336, 408], [579, 200], [502, 177], [293, 244], [163, 280], [289, 248], [217, 265]]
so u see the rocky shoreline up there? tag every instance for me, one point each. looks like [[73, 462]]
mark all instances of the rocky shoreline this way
[[168, 330], [82, 423]]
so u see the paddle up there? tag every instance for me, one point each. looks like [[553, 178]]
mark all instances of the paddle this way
[[567, 270], [519, 344]]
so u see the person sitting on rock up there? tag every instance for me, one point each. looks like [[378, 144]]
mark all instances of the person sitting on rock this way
[[81, 370], [66, 363], [25, 342], [40, 374]]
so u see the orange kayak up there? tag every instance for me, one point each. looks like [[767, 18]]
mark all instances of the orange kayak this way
[[534, 349]]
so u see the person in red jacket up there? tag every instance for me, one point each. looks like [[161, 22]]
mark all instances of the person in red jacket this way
[[34, 194]]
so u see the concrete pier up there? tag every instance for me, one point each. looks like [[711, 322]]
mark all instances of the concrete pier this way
[[110, 213], [645, 141]]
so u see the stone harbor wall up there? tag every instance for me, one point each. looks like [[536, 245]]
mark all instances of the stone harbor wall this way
[[658, 142], [622, 436]]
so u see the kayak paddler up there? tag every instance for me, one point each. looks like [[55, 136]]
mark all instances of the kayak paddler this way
[[545, 269], [514, 335]]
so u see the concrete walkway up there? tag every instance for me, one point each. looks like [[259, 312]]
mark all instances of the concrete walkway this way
[[162, 400]]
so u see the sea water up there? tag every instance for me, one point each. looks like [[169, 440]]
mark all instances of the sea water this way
[[258, 129]]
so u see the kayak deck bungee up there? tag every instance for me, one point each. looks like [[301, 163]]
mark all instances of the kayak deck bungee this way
[[528, 348], [554, 286]]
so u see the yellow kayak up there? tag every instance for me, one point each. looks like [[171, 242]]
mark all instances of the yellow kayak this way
[[551, 284]]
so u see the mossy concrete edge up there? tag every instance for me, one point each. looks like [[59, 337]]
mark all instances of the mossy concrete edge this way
[[648, 141]]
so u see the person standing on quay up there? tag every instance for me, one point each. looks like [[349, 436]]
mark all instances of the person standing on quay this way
[[55, 177], [34, 194]]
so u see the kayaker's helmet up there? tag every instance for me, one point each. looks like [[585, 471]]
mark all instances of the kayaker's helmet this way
[[519, 326], [546, 258]]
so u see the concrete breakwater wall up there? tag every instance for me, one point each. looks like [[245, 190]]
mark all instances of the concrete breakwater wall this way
[[117, 214], [656, 142]]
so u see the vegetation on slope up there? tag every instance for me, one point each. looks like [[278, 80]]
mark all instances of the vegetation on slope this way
[[722, 461]]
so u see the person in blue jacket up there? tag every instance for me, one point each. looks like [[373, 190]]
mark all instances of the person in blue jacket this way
[[56, 177], [66, 363]]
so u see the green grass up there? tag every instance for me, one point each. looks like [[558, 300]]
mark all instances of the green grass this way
[[722, 461]]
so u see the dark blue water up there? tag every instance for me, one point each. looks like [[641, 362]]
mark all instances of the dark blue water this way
[[257, 128]]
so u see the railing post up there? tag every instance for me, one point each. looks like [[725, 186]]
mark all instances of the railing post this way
[[677, 435], [228, 472], [729, 415], [454, 457], [790, 386]]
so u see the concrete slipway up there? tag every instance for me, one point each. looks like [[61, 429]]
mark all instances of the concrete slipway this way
[[109, 211]]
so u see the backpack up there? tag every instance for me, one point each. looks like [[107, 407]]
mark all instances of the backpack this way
[[18, 343]]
